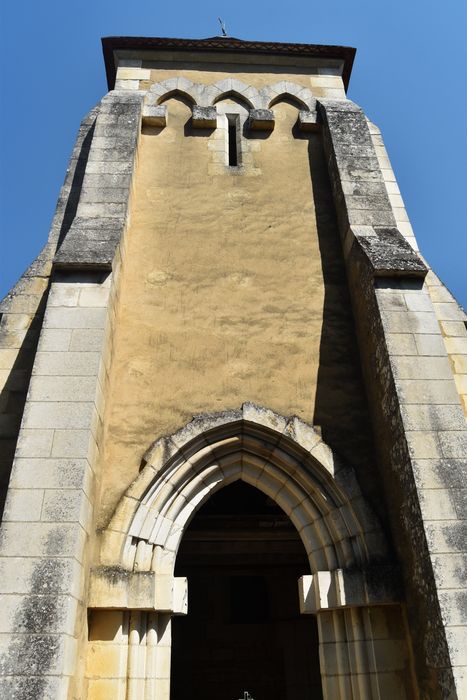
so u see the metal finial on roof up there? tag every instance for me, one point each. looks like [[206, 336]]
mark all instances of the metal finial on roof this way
[[223, 29]]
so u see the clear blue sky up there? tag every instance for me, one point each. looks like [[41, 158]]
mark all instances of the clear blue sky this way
[[409, 76]]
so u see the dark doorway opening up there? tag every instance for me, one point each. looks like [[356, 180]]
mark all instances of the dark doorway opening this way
[[243, 632]]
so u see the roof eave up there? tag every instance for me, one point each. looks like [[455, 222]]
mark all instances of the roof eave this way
[[219, 44]]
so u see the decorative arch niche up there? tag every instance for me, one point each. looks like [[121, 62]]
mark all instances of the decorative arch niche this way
[[348, 589]]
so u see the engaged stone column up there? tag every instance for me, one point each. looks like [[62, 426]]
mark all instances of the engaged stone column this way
[[48, 512], [363, 644]]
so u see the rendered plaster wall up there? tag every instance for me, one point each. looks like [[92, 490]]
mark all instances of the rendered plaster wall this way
[[232, 289]]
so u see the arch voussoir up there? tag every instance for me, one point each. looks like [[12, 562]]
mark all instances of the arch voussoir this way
[[283, 457]]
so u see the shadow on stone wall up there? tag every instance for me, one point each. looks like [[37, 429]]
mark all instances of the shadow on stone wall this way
[[76, 186], [16, 379], [341, 407]]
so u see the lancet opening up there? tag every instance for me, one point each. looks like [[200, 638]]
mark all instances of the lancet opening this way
[[243, 632]]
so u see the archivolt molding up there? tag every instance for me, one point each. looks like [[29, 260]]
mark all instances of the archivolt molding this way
[[203, 95], [231, 86], [285, 88], [283, 457], [159, 92]]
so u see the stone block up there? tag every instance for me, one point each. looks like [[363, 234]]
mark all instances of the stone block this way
[[34, 443], [302, 433], [115, 588], [7, 358], [456, 346], [437, 504], [388, 253], [62, 388], [109, 168], [396, 201], [453, 604], [446, 536], [71, 443], [105, 195], [450, 570], [108, 210], [122, 153], [12, 339], [14, 322], [42, 540], [63, 295], [104, 663], [33, 654], [25, 575], [75, 318], [461, 383], [60, 414], [400, 215], [133, 73], [51, 474], [432, 417], [38, 614], [97, 296], [126, 84], [307, 120], [328, 590], [86, 340], [453, 443], [401, 344], [155, 115], [368, 202], [204, 117], [430, 344], [55, 339], [421, 367], [449, 473], [418, 301], [23, 505], [120, 180], [70, 505], [261, 119], [78, 364], [437, 391], [410, 322], [21, 304], [391, 300], [439, 293], [453, 328], [456, 642], [448, 311]]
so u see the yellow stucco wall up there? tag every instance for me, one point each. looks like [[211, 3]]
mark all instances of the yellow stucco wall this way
[[222, 291]]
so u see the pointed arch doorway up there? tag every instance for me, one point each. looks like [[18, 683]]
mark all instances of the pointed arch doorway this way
[[243, 632], [352, 590]]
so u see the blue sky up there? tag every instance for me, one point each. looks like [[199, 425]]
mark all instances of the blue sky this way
[[409, 76]]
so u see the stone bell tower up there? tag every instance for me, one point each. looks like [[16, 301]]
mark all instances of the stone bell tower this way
[[233, 438]]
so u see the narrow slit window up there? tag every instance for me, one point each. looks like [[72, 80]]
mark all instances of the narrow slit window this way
[[232, 137]]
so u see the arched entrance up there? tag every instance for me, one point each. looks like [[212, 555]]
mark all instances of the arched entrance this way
[[244, 631], [135, 593]]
